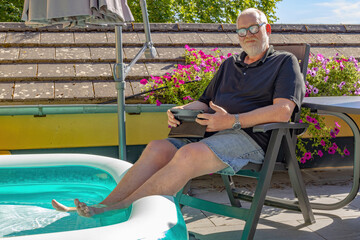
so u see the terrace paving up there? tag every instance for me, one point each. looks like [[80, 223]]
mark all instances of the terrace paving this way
[[326, 186], [47, 59]]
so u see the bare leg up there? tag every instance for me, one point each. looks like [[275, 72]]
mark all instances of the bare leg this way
[[190, 161], [155, 156]]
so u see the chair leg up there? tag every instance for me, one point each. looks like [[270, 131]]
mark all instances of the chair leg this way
[[263, 184], [297, 181], [229, 186]]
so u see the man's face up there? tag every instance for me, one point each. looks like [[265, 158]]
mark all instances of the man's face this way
[[253, 44]]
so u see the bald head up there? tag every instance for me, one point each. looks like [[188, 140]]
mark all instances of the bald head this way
[[259, 15]]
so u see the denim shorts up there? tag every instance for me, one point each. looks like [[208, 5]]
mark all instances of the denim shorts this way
[[232, 146]]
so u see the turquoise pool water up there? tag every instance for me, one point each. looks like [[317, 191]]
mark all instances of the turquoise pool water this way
[[26, 194]]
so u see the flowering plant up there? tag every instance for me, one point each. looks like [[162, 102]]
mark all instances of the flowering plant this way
[[186, 82], [325, 77], [335, 76]]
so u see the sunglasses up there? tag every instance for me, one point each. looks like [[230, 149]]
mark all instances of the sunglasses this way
[[252, 29]]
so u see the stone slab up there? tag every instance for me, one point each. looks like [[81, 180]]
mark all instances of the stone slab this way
[[157, 38], [74, 90], [9, 53], [215, 38], [60, 37], [106, 89], [56, 70], [17, 70], [229, 27], [352, 28], [326, 28], [194, 27], [90, 37], [34, 90], [277, 38], [293, 38], [37, 53], [72, 53], [6, 90], [288, 28], [325, 51], [349, 51], [2, 37], [350, 38], [171, 53], [126, 37], [137, 87], [233, 37], [185, 38], [130, 53], [326, 38], [101, 53], [163, 27], [93, 70], [23, 37], [138, 70], [159, 69]]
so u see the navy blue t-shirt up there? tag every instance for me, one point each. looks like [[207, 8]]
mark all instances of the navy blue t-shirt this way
[[239, 87]]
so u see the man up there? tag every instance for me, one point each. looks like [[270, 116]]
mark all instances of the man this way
[[258, 86]]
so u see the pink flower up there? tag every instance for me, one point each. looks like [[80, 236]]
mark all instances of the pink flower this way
[[322, 142], [181, 81], [300, 121], [327, 71], [308, 118], [326, 78], [229, 54], [307, 156], [337, 124], [332, 134], [158, 103], [331, 150], [303, 160], [346, 152], [320, 153], [214, 49], [317, 126], [188, 98], [314, 121], [143, 81], [337, 130]]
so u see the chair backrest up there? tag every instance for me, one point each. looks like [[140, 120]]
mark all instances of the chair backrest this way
[[301, 51]]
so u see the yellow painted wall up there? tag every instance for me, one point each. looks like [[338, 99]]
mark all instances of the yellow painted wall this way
[[78, 130]]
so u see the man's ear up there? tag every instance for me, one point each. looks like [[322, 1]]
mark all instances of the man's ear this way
[[268, 29]]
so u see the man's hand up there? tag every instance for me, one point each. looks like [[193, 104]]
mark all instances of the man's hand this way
[[218, 121], [172, 122]]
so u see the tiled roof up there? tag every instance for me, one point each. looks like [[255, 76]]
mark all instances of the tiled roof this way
[[55, 65]]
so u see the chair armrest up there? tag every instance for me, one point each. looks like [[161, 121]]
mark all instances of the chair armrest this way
[[279, 125]]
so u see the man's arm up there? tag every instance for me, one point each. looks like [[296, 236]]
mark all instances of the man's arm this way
[[279, 111]]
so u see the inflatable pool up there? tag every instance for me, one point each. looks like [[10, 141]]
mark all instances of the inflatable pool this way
[[28, 182]]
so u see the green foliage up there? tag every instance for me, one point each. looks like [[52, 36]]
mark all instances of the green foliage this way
[[200, 11], [11, 10]]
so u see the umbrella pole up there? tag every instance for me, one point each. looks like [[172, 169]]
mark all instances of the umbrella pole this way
[[120, 87]]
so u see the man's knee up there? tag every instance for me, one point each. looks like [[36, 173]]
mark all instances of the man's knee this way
[[160, 149]]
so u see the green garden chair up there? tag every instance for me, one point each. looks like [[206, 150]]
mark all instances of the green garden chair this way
[[280, 153]]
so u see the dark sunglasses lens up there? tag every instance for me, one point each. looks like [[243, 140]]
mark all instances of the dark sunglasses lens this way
[[254, 29]]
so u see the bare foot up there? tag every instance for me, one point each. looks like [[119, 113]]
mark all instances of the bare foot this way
[[62, 208], [87, 211]]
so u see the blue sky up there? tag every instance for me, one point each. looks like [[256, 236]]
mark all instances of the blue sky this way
[[319, 11]]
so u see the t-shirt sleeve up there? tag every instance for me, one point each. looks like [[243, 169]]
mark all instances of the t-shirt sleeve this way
[[290, 83]]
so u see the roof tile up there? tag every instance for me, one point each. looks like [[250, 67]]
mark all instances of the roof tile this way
[[23, 37], [352, 28], [195, 27], [9, 53], [157, 38], [215, 38], [170, 52], [138, 69], [350, 38], [325, 51], [325, 38], [56, 70], [126, 37], [106, 89], [74, 89], [158, 69], [37, 53], [72, 53], [90, 37], [163, 27], [93, 70], [185, 38], [8, 71], [101, 53], [2, 37], [233, 37], [6, 90], [349, 51], [325, 28], [34, 90], [288, 28], [131, 52], [51, 37]]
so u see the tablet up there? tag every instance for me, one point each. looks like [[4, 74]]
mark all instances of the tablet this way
[[186, 115]]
